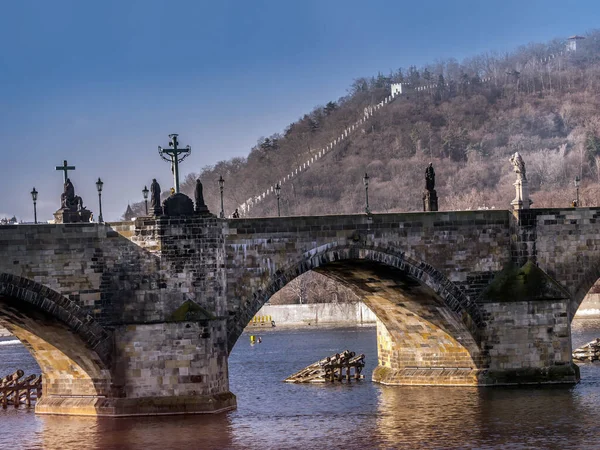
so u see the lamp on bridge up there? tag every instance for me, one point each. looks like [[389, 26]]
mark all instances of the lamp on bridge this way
[[366, 182], [34, 195], [577, 191], [278, 194], [145, 194], [99, 185], [221, 186]]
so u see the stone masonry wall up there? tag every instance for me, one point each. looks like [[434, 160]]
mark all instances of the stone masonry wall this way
[[567, 247], [173, 359], [528, 337], [109, 277], [468, 248]]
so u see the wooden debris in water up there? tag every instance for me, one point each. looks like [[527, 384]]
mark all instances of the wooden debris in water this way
[[589, 352], [339, 367], [15, 390]]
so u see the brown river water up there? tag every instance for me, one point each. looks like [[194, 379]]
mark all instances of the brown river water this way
[[364, 415]]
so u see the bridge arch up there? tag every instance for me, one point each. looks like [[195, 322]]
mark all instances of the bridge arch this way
[[452, 313], [72, 349], [589, 277]]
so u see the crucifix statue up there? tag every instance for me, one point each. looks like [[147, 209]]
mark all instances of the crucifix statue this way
[[174, 155], [65, 168]]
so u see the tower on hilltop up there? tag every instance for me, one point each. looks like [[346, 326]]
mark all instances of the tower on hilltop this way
[[572, 42]]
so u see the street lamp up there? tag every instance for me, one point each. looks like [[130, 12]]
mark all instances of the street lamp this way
[[366, 182], [221, 186], [34, 194], [278, 194], [577, 191], [145, 194], [99, 185]]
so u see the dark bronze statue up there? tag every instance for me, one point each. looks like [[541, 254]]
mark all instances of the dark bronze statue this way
[[155, 197], [430, 178], [68, 199], [199, 195]]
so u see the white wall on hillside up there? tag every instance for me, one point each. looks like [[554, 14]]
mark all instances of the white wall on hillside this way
[[396, 89], [319, 313]]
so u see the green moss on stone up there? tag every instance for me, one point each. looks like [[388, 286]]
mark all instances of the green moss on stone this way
[[526, 283]]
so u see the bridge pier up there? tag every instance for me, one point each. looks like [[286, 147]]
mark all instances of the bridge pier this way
[[161, 369], [526, 338]]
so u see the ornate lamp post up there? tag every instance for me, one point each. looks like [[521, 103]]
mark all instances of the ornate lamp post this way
[[366, 182], [99, 185], [577, 191], [278, 194], [145, 194], [34, 195], [221, 186]]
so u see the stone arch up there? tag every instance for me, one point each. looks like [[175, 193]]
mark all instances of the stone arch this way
[[73, 350], [580, 289], [454, 298]]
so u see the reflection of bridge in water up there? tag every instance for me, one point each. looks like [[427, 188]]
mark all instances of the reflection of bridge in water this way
[[128, 319]]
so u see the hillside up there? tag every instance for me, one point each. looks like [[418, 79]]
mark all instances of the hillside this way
[[540, 100]]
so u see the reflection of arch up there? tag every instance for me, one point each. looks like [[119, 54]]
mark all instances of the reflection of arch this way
[[72, 349], [424, 273]]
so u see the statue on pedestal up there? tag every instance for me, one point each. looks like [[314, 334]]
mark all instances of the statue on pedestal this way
[[522, 200], [430, 200], [201, 207], [155, 198], [71, 206]]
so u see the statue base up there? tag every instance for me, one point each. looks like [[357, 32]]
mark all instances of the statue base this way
[[178, 205], [522, 200], [68, 216], [202, 210], [430, 200]]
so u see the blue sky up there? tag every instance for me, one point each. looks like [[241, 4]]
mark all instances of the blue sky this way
[[102, 84]]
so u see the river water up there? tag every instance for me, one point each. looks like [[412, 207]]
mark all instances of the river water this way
[[364, 415]]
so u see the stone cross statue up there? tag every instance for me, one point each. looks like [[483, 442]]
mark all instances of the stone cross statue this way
[[155, 197], [518, 166], [430, 178]]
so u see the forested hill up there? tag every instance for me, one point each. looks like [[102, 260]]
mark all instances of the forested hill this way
[[540, 100]]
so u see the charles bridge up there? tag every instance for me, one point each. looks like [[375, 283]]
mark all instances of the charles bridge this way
[[138, 318]]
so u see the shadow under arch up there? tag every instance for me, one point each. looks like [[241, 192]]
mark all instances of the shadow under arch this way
[[73, 351], [466, 311]]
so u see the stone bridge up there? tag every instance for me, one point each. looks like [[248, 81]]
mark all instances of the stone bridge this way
[[139, 318]]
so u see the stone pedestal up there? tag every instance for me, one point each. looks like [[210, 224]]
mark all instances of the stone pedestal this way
[[430, 200], [178, 205], [202, 210], [64, 215], [521, 200]]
